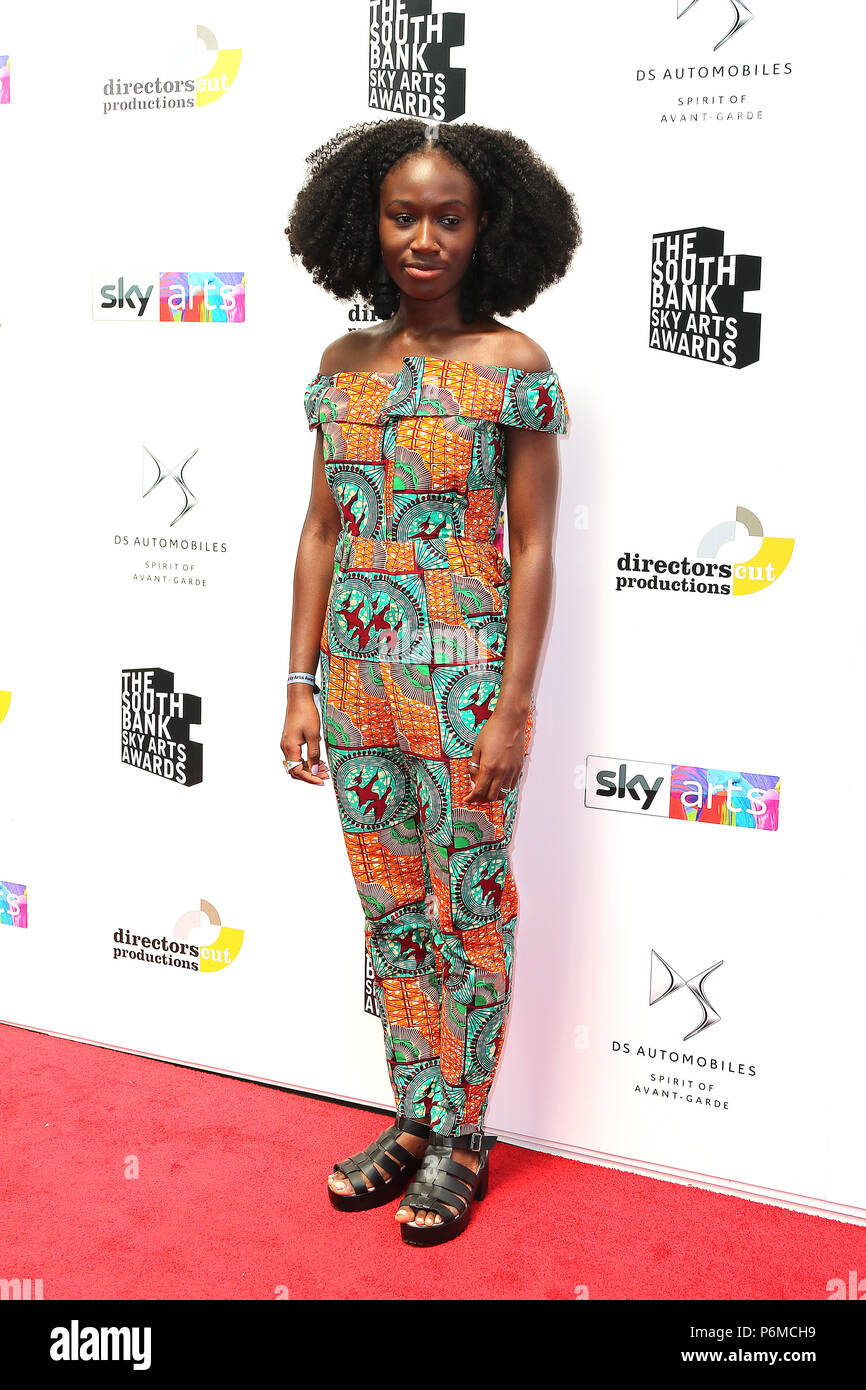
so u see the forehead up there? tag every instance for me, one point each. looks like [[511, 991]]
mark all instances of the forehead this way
[[430, 177]]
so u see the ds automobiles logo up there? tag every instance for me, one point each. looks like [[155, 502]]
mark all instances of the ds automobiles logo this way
[[742, 16]]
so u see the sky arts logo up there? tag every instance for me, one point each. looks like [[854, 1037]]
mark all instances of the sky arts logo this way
[[13, 904], [178, 951], [5, 90], [185, 296], [746, 800], [173, 93], [5, 699], [742, 15], [707, 574], [410, 60]]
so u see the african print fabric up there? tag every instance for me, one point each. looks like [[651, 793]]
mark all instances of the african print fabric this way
[[411, 653]]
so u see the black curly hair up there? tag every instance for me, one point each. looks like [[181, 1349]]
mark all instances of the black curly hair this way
[[532, 231]]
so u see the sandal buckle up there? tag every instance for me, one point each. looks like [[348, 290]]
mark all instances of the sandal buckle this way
[[477, 1139]]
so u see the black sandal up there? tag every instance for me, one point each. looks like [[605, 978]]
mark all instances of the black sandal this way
[[441, 1184], [398, 1161]]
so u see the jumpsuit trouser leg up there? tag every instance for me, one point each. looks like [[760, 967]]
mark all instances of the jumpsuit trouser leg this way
[[433, 875]]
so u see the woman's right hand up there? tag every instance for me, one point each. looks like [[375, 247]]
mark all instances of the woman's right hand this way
[[303, 726]]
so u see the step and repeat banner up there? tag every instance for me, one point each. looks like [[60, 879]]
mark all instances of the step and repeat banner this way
[[690, 948]]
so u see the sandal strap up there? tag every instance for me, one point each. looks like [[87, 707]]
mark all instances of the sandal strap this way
[[350, 1170], [406, 1125], [440, 1184], [425, 1201], [385, 1151], [477, 1142]]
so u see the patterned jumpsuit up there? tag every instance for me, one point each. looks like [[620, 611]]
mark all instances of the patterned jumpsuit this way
[[412, 652]]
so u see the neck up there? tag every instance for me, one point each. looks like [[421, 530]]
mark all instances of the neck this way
[[418, 320]]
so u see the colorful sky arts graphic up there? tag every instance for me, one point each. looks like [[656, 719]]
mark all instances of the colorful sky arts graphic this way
[[13, 904], [202, 296], [747, 800], [5, 94], [5, 698], [681, 791]]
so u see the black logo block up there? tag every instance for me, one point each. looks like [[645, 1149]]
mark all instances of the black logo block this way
[[155, 721], [697, 299]]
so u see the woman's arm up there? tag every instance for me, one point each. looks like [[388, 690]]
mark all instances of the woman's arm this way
[[314, 567]]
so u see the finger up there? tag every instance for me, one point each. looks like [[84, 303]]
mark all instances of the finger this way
[[483, 789], [301, 773], [313, 753]]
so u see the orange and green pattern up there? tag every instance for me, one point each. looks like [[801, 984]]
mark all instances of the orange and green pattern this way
[[412, 653]]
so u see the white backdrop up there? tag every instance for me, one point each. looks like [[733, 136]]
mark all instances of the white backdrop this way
[[662, 448]]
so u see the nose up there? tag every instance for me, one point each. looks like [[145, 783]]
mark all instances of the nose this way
[[424, 238]]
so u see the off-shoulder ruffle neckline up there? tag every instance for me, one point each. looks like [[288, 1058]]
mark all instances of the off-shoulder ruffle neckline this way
[[439, 361]]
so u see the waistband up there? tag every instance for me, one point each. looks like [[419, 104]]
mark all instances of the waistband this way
[[482, 559]]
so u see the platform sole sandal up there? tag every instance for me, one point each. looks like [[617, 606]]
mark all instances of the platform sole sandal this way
[[386, 1151], [441, 1184]]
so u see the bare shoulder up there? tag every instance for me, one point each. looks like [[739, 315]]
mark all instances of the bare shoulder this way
[[351, 352], [516, 349], [336, 355]]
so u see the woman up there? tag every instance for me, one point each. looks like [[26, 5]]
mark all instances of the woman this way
[[403, 594]]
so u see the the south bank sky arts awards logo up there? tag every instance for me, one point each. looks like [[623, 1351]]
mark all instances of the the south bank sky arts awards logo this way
[[410, 60], [705, 573], [173, 90], [696, 299], [155, 726], [172, 556], [184, 949], [714, 68]]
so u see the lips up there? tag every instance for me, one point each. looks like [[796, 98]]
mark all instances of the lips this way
[[424, 272]]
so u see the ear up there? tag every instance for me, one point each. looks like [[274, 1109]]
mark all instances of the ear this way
[[482, 223]]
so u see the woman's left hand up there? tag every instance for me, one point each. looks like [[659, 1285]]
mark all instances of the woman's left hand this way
[[498, 753]]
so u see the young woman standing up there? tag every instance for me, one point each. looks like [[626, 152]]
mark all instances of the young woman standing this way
[[429, 639]]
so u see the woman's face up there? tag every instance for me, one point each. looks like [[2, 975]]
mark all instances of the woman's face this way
[[429, 220]]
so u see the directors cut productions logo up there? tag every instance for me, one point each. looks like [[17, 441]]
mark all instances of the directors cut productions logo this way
[[155, 722], [707, 574], [174, 93], [410, 60], [696, 299], [185, 296], [742, 15], [745, 800], [177, 951]]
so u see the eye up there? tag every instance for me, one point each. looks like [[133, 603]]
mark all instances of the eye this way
[[451, 221]]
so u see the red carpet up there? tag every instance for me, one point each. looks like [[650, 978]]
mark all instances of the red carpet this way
[[231, 1203]]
